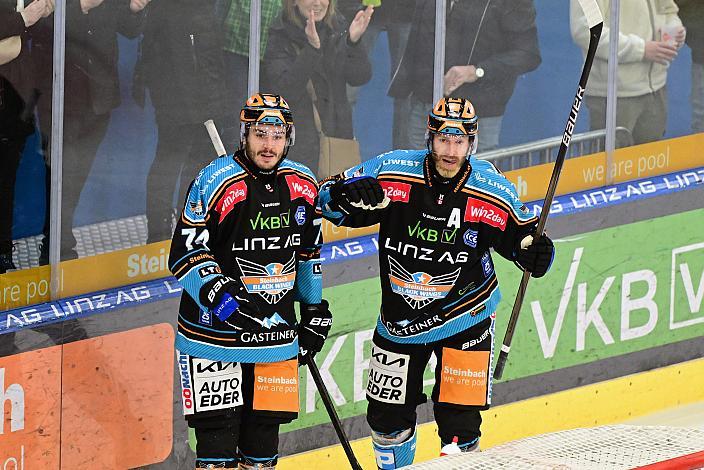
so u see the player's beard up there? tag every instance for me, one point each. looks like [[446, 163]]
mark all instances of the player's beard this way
[[260, 162], [448, 166]]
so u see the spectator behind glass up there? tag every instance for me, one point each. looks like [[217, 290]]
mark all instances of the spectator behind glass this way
[[310, 42], [182, 66], [642, 68], [17, 100], [692, 15], [488, 45], [91, 92], [394, 17], [237, 43]]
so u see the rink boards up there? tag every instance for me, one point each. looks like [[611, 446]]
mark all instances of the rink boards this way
[[149, 262], [586, 406], [611, 332]]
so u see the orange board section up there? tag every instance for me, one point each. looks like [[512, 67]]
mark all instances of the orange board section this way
[[104, 402], [30, 386]]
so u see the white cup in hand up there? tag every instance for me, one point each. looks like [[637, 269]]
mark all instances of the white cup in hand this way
[[668, 33]]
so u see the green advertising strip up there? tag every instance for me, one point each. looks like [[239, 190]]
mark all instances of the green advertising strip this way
[[609, 292]]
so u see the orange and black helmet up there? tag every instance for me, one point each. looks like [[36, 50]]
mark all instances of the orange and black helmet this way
[[266, 108], [453, 116]]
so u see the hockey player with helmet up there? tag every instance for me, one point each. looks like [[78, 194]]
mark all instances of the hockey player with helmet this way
[[440, 212], [247, 245]]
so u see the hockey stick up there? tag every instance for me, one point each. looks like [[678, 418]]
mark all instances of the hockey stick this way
[[595, 22], [327, 401], [215, 137]]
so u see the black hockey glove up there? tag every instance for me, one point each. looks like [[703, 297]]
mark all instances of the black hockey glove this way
[[535, 255], [313, 329], [361, 192], [223, 297]]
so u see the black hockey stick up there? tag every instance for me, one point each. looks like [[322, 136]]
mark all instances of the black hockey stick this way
[[595, 22], [327, 401]]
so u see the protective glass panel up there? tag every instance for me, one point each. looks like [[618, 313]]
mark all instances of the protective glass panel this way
[[26, 43], [336, 78], [141, 79], [531, 68], [659, 91]]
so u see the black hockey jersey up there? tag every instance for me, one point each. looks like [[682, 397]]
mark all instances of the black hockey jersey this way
[[437, 275], [264, 234]]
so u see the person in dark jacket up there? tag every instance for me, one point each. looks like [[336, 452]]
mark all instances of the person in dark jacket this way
[[692, 16], [16, 107], [394, 17], [488, 45], [310, 43], [91, 92], [18, 97], [182, 66]]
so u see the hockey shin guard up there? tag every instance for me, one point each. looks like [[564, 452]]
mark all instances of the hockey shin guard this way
[[394, 450]]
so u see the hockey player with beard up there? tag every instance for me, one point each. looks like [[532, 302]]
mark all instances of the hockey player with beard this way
[[247, 245], [440, 212]]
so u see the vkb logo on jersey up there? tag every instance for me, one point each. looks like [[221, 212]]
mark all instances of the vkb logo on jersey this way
[[470, 238], [300, 215]]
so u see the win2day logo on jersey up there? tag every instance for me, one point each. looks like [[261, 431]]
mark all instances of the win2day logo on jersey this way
[[271, 281], [397, 192], [234, 194], [300, 188], [480, 211], [419, 289]]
